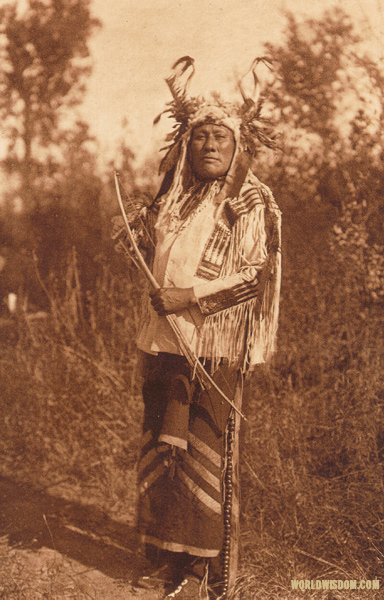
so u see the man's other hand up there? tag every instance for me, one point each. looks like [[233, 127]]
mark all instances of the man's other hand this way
[[166, 301]]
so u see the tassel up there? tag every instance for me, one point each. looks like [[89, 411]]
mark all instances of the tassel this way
[[204, 582]]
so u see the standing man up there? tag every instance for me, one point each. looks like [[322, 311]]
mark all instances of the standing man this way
[[216, 232]]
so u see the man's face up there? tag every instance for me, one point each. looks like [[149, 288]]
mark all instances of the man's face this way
[[212, 147]]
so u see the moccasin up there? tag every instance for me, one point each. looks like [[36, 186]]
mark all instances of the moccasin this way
[[189, 589]]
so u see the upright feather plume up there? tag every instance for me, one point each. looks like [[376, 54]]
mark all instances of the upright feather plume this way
[[254, 126], [254, 96], [178, 81], [181, 107]]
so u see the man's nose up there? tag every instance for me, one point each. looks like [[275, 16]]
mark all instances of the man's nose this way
[[210, 143]]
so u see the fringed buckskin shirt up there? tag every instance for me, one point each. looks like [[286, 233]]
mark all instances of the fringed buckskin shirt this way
[[221, 251]]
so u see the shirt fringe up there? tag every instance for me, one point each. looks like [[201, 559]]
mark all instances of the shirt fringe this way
[[245, 334]]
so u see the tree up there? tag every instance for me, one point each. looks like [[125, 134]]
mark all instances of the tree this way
[[71, 217], [45, 59], [330, 100], [307, 92], [50, 162]]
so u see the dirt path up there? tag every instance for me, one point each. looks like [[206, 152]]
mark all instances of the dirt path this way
[[54, 549]]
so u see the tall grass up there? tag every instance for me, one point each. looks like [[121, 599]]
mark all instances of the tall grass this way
[[71, 392], [313, 451], [313, 448]]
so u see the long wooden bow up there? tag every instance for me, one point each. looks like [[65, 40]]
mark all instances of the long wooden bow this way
[[203, 376]]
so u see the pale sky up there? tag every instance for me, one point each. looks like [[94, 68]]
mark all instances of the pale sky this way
[[141, 39]]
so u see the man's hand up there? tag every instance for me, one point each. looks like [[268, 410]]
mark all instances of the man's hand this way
[[166, 301]]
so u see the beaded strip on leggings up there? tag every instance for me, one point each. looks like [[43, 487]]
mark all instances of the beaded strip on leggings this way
[[228, 505]]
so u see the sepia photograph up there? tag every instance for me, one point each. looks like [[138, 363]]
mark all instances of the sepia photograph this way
[[191, 300]]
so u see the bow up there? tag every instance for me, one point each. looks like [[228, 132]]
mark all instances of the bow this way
[[203, 376]]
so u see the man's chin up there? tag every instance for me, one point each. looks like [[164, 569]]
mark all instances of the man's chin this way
[[209, 174]]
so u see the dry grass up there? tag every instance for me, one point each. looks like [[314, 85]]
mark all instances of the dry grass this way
[[71, 394], [313, 452]]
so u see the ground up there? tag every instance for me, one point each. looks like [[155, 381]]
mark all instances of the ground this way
[[56, 549]]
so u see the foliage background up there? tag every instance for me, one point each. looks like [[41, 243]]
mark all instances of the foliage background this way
[[70, 401]]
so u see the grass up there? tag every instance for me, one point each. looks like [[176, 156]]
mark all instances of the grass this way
[[313, 478], [313, 448], [71, 395]]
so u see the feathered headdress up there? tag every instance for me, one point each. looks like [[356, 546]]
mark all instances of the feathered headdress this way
[[245, 120]]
